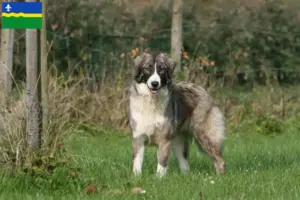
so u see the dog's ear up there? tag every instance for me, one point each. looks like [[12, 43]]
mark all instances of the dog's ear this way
[[138, 60], [170, 63], [138, 63]]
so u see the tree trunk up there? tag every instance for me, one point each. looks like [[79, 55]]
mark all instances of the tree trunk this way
[[44, 69], [32, 86], [176, 38], [6, 61]]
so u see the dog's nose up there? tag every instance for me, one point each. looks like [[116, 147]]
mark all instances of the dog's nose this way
[[154, 84]]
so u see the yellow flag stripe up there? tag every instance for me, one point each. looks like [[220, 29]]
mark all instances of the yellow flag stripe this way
[[20, 15]]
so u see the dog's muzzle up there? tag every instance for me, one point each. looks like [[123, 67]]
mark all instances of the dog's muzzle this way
[[154, 87]]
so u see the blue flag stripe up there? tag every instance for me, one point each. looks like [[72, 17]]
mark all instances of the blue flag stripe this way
[[24, 7]]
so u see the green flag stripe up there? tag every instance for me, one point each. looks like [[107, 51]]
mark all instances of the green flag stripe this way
[[21, 22]]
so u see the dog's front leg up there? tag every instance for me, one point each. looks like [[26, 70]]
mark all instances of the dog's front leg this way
[[138, 155], [163, 154]]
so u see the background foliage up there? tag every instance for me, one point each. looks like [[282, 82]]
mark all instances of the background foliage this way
[[249, 41], [239, 45]]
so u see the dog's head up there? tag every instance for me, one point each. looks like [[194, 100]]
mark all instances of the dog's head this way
[[154, 70]]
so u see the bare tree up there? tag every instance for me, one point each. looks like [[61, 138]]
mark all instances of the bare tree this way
[[33, 103], [6, 61], [44, 69], [176, 38]]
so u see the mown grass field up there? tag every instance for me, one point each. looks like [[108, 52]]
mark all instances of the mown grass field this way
[[258, 167]]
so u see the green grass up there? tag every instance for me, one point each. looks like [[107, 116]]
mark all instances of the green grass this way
[[258, 167]]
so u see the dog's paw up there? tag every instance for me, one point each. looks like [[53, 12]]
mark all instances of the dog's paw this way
[[159, 175], [161, 171], [136, 172]]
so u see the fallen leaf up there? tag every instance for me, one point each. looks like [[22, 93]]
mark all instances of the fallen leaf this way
[[73, 174], [138, 190], [90, 189]]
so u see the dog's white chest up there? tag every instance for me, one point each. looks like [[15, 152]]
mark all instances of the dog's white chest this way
[[147, 116]]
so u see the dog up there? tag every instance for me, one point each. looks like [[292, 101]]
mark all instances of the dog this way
[[166, 114]]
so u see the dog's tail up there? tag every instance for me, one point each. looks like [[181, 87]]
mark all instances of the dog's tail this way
[[194, 98]]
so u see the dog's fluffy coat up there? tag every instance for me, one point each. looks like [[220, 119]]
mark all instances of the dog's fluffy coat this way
[[167, 114]]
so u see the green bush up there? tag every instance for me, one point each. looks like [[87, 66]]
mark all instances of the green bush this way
[[267, 125]]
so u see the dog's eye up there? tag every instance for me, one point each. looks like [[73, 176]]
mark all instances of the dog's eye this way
[[162, 70]]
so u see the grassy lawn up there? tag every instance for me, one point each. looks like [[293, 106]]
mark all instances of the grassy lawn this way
[[258, 167]]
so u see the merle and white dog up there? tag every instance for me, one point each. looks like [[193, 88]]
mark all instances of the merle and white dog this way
[[167, 114]]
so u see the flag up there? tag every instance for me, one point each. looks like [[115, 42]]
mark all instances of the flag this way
[[22, 15]]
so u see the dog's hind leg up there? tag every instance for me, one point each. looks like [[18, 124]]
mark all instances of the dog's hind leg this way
[[213, 149], [180, 146], [210, 136]]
